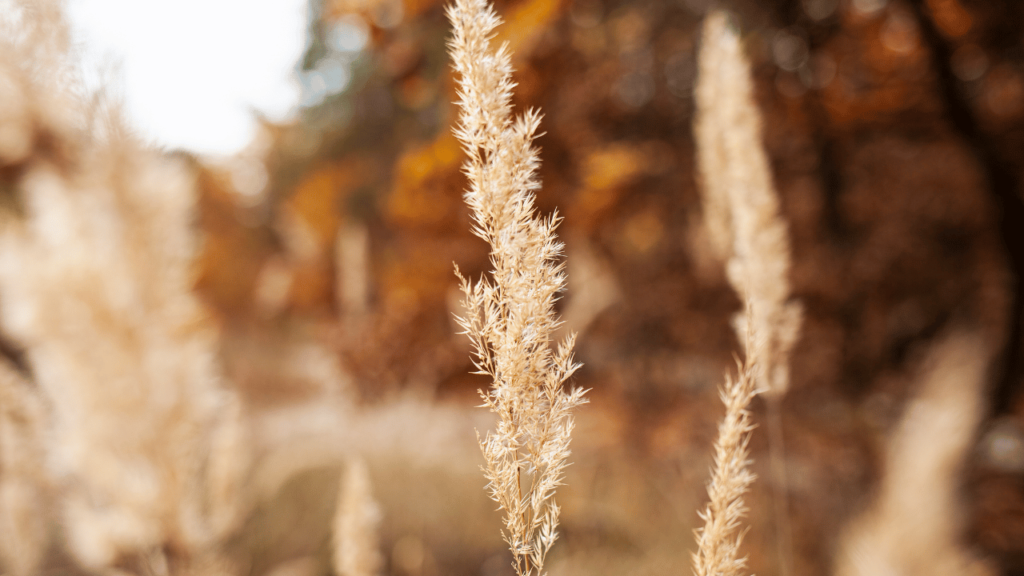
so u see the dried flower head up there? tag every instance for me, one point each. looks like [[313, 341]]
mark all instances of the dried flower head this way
[[96, 278], [915, 524], [740, 203], [510, 317], [718, 541]]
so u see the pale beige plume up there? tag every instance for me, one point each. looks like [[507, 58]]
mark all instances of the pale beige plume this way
[[96, 276], [510, 317], [915, 527]]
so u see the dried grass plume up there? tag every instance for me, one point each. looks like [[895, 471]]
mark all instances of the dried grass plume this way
[[743, 221], [96, 276], [510, 317], [915, 524], [718, 541], [741, 205]]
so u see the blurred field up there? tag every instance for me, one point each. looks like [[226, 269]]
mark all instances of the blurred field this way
[[895, 131]]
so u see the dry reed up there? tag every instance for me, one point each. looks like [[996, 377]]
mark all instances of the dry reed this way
[[718, 541], [915, 523], [511, 317], [96, 277], [742, 217], [741, 205]]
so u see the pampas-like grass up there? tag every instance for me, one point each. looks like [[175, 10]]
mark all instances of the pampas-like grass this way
[[914, 525], [743, 220], [718, 541], [740, 203], [96, 252], [511, 317]]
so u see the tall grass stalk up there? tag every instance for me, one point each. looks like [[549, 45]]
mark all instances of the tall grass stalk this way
[[743, 219], [718, 541], [915, 524], [510, 317], [96, 287]]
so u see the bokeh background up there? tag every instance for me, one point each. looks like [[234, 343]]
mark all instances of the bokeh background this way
[[895, 130]]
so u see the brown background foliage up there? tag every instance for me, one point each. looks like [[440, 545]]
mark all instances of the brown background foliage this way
[[896, 138]]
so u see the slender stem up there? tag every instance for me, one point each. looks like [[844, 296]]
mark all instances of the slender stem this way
[[519, 493], [780, 485]]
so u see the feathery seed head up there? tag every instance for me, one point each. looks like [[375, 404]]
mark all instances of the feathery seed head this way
[[510, 317], [741, 206]]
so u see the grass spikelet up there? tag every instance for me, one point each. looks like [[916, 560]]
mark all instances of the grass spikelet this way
[[511, 316], [96, 278], [740, 202], [718, 541], [745, 225], [915, 524]]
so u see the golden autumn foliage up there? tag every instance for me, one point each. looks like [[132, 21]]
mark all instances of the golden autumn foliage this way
[[313, 324]]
